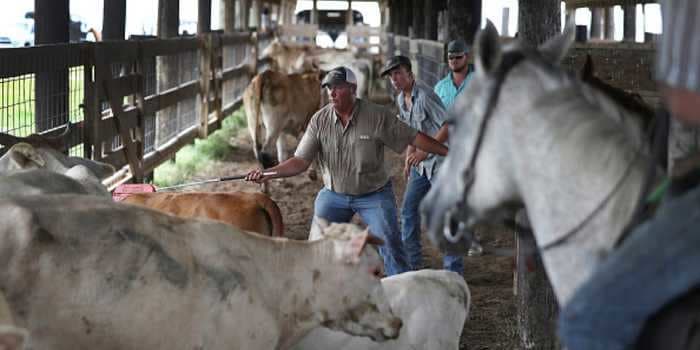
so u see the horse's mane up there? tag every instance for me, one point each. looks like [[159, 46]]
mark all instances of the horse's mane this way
[[630, 101]]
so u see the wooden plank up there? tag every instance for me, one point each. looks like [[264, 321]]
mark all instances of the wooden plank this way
[[235, 72], [574, 4], [165, 47], [235, 38], [170, 97], [28, 60], [130, 151], [116, 51]]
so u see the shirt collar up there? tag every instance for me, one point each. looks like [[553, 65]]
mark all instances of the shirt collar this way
[[353, 114]]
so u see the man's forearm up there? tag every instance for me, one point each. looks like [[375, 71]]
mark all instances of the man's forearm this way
[[442, 134], [428, 144], [290, 167]]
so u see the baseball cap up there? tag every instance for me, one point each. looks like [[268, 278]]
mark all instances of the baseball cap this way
[[339, 75], [393, 63], [457, 46]]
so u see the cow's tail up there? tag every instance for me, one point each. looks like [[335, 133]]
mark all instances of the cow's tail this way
[[252, 98], [273, 214]]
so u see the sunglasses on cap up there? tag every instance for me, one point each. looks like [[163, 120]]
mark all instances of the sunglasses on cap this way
[[454, 57]]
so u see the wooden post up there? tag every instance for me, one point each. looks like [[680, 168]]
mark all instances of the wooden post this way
[[205, 75], [505, 21], [314, 12], [596, 23], [464, 17], [349, 18], [418, 19], [609, 23], [630, 22], [431, 14], [538, 20], [228, 15], [114, 20], [167, 66], [536, 302], [51, 87], [203, 16]]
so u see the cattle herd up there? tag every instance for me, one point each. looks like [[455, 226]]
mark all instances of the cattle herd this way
[[200, 270]]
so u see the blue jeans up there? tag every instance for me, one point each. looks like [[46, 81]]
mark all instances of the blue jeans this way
[[378, 211], [657, 263], [416, 188]]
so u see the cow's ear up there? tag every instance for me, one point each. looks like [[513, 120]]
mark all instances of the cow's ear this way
[[24, 155], [359, 242]]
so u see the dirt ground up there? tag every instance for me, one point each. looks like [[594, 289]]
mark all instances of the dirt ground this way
[[491, 323]]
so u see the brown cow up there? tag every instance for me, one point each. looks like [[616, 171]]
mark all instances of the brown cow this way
[[286, 103], [253, 212]]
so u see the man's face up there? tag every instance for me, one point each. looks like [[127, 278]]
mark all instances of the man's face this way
[[400, 78], [457, 61], [341, 95]]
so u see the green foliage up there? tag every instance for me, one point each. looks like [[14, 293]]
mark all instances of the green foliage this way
[[191, 159]]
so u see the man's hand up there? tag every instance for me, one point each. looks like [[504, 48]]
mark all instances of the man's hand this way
[[257, 176], [413, 159]]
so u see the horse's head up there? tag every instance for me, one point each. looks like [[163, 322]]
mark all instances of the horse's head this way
[[477, 180]]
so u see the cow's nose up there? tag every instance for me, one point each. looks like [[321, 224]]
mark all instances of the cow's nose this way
[[392, 332]]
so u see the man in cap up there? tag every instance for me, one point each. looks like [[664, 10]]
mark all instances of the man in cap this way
[[421, 109], [348, 136], [460, 72], [451, 85], [655, 267]]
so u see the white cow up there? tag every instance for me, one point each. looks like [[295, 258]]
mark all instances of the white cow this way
[[23, 157], [433, 305], [11, 336], [105, 275]]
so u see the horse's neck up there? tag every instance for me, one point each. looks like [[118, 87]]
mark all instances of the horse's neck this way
[[573, 160]]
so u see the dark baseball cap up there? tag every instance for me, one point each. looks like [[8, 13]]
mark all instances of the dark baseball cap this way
[[457, 46], [339, 75], [394, 63]]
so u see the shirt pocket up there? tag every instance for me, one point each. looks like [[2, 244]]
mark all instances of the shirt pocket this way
[[367, 154]]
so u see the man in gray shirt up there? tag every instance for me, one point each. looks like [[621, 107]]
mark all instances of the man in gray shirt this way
[[348, 137], [421, 109]]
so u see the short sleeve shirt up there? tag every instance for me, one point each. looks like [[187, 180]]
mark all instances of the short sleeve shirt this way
[[352, 157]]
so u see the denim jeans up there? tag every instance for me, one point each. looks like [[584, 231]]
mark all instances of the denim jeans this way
[[416, 188], [378, 211], [657, 263]]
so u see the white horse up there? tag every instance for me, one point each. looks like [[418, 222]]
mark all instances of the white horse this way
[[525, 133]]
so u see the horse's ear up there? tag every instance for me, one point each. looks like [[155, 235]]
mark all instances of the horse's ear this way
[[556, 48], [487, 49], [587, 70]]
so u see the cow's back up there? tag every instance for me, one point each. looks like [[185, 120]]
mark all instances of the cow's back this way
[[253, 212]]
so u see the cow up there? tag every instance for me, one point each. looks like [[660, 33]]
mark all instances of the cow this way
[[255, 212], [74, 174], [47, 153], [283, 103], [106, 275], [289, 59], [433, 305]]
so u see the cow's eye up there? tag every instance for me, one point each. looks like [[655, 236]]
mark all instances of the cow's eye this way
[[377, 272]]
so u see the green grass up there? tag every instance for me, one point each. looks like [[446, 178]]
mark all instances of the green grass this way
[[192, 159], [17, 101]]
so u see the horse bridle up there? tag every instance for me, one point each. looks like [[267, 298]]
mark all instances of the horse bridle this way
[[509, 61]]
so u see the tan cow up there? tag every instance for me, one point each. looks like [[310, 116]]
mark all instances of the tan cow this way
[[88, 273], [290, 59], [255, 212], [282, 103]]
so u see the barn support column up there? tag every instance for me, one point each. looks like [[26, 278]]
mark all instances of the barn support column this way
[[394, 14], [538, 20], [255, 13], [609, 23], [227, 15], [505, 21], [463, 19], [348, 15], [114, 20], [243, 13], [630, 22], [51, 18], [431, 15], [596, 23], [314, 12], [203, 16], [418, 23], [167, 66]]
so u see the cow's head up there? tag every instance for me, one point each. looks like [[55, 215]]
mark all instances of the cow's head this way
[[349, 295]]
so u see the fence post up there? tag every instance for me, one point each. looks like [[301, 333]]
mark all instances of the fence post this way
[[90, 106], [205, 57], [254, 53]]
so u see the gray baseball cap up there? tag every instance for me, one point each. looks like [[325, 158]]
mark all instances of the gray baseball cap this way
[[339, 75], [394, 63], [457, 46]]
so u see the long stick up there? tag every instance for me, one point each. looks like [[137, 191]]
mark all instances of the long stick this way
[[218, 179]]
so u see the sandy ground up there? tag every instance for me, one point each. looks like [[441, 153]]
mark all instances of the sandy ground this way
[[491, 324]]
